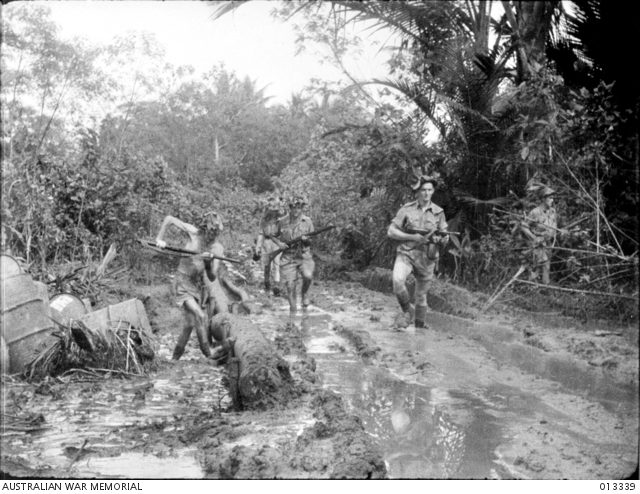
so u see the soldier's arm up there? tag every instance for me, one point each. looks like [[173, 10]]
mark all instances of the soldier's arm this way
[[168, 221], [395, 233]]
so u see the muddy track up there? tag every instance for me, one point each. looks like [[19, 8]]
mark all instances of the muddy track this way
[[497, 396]]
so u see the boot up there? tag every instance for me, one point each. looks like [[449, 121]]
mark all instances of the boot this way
[[421, 324], [404, 319]]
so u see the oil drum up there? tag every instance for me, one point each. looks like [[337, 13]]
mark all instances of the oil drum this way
[[9, 266], [66, 307], [24, 315]]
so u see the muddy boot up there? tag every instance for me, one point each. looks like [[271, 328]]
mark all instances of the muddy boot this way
[[267, 286], [277, 292], [421, 324], [304, 324], [404, 319], [220, 355], [421, 316]]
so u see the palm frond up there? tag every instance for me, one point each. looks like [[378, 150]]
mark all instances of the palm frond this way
[[223, 8], [466, 198]]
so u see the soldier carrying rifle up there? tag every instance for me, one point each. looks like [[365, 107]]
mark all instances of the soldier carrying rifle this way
[[194, 277], [297, 258], [540, 227], [419, 227]]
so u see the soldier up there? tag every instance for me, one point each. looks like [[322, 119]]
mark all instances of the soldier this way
[[540, 227], [266, 244], [417, 253], [194, 277], [297, 259]]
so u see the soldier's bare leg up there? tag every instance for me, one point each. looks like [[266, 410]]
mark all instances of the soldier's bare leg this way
[[307, 269], [198, 318], [421, 302], [267, 276], [545, 268], [182, 340], [401, 270], [423, 277], [291, 296]]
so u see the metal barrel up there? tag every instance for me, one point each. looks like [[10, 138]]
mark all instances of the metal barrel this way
[[66, 307], [25, 322]]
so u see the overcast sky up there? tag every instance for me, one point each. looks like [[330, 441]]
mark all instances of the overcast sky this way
[[248, 41]]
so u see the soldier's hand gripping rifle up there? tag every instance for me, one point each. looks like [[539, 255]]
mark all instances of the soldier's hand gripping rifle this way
[[429, 233], [298, 240], [432, 250]]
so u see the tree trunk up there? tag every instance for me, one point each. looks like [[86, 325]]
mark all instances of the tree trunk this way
[[258, 376]]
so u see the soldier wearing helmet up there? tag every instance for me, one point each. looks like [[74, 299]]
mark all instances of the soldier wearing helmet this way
[[266, 243], [195, 275], [540, 227], [296, 260], [416, 253]]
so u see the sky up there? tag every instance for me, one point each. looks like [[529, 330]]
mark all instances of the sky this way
[[248, 41]]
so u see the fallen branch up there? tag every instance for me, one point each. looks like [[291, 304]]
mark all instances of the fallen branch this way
[[492, 300], [573, 290]]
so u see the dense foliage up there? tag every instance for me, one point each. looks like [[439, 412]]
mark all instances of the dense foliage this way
[[95, 154]]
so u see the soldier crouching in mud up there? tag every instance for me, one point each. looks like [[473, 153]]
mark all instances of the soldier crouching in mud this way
[[266, 244], [194, 276], [417, 252]]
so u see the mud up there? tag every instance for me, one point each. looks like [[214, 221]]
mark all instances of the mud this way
[[509, 394]]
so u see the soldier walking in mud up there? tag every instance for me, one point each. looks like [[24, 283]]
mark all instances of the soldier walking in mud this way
[[266, 244], [297, 259], [194, 277], [540, 227], [417, 253]]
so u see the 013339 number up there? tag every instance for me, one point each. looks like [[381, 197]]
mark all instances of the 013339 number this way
[[617, 486]]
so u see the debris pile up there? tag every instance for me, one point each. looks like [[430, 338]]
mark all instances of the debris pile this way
[[119, 348]]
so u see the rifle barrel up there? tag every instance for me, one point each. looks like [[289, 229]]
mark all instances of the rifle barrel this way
[[148, 243]]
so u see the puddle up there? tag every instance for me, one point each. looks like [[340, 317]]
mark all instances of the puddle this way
[[451, 432], [91, 431], [423, 432], [184, 465]]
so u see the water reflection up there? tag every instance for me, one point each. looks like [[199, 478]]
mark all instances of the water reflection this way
[[423, 432]]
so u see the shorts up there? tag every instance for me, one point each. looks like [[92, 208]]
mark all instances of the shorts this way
[[185, 290], [423, 269], [291, 266]]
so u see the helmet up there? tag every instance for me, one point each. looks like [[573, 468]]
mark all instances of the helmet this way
[[547, 191], [297, 200], [212, 220], [273, 203], [423, 179]]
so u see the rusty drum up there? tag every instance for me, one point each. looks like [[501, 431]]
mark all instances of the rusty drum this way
[[25, 322]]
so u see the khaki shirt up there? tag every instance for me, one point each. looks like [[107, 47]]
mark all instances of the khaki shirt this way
[[412, 216], [287, 231], [269, 229], [542, 222]]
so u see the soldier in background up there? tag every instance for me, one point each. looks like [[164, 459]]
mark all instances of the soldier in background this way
[[540, 227], [266, 244], [297, 260]]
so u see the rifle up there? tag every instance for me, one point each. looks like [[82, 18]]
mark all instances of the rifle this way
[[175, 250], [295, 241], [432, 249], [430, 233]]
